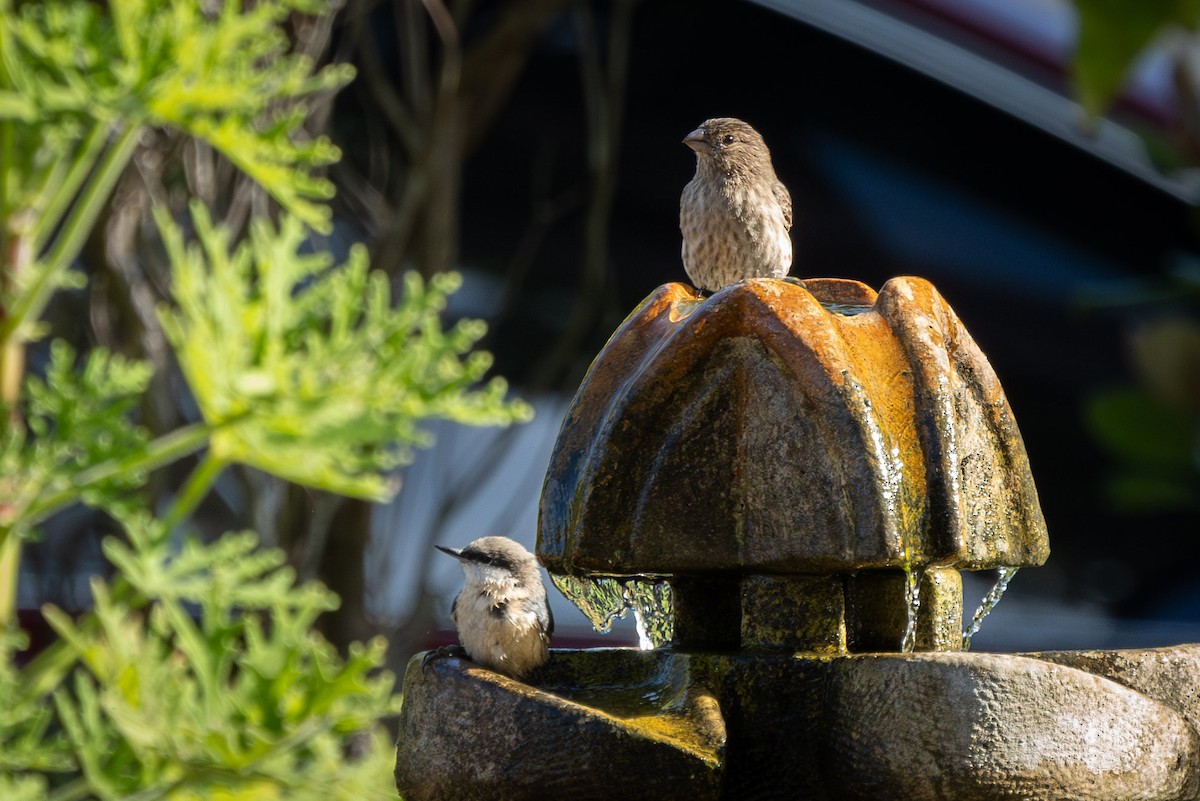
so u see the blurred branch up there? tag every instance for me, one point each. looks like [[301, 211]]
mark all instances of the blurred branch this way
[[405, 186], [548, 207], [492, 65], [604, 80], [131, 278], [443, 153]]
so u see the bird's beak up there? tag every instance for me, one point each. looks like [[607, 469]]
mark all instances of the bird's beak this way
[[455, 552], [695, 140]]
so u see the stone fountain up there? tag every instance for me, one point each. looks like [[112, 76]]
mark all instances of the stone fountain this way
[[797, 473]]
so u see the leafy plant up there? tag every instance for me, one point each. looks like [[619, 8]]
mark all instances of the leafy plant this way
[[220, 685], [198, 673], [1112, 34], [300, 368], [1152, 429], [308, 372], [77, 442], [79, 87]]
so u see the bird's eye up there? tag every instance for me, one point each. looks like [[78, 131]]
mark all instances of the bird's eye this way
[[727, 139]]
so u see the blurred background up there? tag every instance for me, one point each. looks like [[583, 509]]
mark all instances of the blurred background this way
[[535, 146]]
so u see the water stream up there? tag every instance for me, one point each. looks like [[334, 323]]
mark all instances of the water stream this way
[[1004, 575], [604, 600], [913, 576]]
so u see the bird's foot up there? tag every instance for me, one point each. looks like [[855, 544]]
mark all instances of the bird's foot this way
[[441, 653], [791, 279]]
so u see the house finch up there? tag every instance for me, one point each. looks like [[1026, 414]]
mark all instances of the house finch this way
[[734, 214], [502, 613]]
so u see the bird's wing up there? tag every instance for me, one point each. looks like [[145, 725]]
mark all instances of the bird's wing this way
[[454, 609], [549, 618], [784, 199]]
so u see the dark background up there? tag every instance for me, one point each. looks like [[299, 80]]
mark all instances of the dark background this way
[[547, 168], [891, 173]]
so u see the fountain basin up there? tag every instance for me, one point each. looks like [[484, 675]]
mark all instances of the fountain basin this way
[[618, 723], [982, 727], [599, 724], [786, 479]]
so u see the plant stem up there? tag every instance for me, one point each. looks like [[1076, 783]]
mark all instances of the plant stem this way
[[71, 791], [83, 215], [7, 137], [64, 190], [6, 158], [10, 562], [158, 452], [47, 669], [14, 260], [76, 227], [197, 486]]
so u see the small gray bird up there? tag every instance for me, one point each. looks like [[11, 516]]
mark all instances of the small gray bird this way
[[502, 612], [734, 215]]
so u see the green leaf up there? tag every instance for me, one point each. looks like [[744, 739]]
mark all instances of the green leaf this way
[[1158, 449], [22, 788], [14, 106], [27, 743], [78, 416], [1135, 492], [228, 78], [1136, 426], [305, 370], [221, 689], [1112, 34]]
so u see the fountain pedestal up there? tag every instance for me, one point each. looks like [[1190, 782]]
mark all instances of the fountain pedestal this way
[[807, 468]]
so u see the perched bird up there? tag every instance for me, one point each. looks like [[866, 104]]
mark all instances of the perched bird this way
[[734, 214], [502, 612]]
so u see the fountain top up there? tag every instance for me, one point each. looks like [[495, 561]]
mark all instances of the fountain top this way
[[785, 428]]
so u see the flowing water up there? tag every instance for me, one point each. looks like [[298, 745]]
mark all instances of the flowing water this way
[[604, 600], [654, 611], [1004, 575], [912, 598]]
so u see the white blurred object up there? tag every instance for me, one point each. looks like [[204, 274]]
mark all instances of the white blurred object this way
[[471, 483]]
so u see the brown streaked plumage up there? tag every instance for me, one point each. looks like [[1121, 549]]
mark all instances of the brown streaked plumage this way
[[735, 214]]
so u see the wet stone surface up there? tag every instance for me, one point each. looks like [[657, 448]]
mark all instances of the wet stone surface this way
[[758, 431], [797, 473], [768, 725]]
